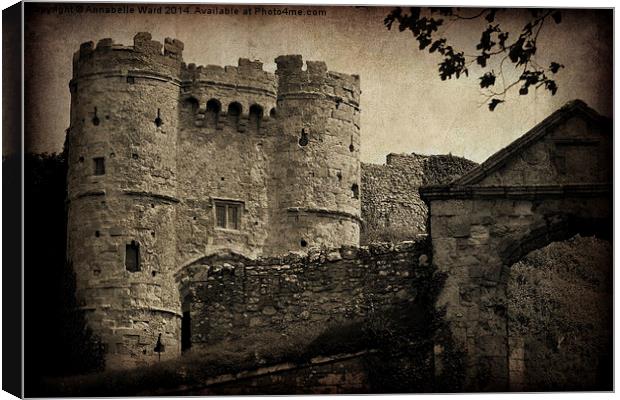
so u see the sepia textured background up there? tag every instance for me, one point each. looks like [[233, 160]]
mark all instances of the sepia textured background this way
[[405, 106]]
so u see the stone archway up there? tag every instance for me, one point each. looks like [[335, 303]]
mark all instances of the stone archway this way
[[198, 295], [522, 198], [559, 315]]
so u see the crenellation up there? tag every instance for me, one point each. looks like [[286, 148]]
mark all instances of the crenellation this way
[[142, 43], [173, 48], [105, 44]]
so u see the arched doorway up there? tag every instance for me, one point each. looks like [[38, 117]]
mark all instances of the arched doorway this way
[[559, 317]]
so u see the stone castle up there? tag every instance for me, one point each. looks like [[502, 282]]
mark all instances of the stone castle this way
[[207, 204], [170, 162]]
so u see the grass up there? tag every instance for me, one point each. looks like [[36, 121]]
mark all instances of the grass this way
[[194, 368]]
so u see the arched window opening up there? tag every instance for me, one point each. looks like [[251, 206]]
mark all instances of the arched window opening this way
[[186, 323], [234, 113], [272, 113], [191, 104], [355, 189], [212, 116], [256, 115]]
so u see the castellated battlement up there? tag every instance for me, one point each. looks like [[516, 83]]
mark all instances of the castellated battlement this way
[[315, 79], [145, 54], [171, 162], [248, 74]]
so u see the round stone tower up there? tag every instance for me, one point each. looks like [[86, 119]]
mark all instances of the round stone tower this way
[[318, 167], [122, 195]]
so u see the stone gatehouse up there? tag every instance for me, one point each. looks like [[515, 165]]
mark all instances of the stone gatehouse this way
[[205, 202], [170, 162], [550, 184]]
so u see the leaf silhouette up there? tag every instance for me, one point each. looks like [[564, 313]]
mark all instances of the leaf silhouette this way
[[493, 103], [487, 80], [555, 67]]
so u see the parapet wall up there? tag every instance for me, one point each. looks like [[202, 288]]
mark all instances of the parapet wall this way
[[232, 297], [248, 74], [145, 54], [294, 80], [392, 209]]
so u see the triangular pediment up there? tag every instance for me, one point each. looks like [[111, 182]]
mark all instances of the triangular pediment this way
[[571, 146]]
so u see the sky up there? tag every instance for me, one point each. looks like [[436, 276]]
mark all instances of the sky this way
[[405, 107]]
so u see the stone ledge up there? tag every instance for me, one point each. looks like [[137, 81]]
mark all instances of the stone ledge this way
[[90, 193], [324, 211], [152, 195], [119, 73], [133, 309], [445, 192]]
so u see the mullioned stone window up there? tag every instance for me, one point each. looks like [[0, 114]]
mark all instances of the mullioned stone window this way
[[228, 214]]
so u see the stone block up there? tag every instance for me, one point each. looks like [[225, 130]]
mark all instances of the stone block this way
[[451, 207], [459, 228], [479, 234], [491, 345]]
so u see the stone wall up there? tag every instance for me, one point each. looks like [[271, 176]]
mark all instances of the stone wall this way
[[232, 297], [546, 186], [475, 242], [392, 209]]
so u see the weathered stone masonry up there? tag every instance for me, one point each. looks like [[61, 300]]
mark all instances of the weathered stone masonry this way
[[231, 296], [205, 200], [392, 209], [548, 185], [169, 163]]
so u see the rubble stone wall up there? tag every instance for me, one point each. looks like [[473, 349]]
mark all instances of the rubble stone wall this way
[[392, 209], [232, 297]]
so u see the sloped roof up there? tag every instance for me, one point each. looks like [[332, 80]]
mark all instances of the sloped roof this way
[[493, 163]]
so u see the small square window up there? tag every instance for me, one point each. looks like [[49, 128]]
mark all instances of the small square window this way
[[228, 214], [131, 80], [99, 166]]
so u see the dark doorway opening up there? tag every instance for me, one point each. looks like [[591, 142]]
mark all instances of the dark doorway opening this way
[[186, 325]]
